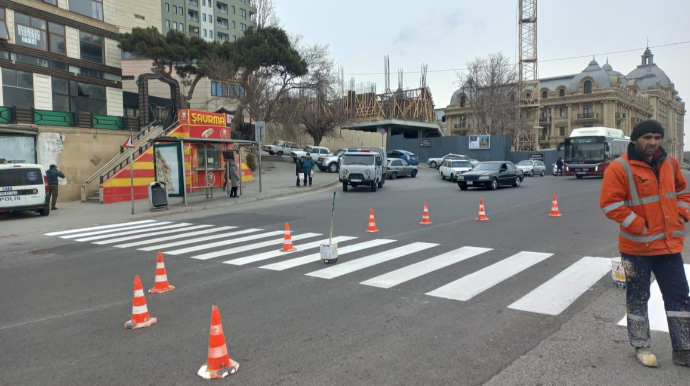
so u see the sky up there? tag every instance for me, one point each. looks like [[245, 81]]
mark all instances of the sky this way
[[446, 34]]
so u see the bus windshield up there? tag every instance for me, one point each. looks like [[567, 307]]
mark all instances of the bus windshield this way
[[585, 152]]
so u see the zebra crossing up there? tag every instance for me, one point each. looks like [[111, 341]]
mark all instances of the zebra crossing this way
[[261, 247]]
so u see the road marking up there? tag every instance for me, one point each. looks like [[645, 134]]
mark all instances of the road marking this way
[[557, 294], [251, 247], [198, 240], [655, 307], [272, 254], [145, 235], [369, 261], [317, 256], [224, 242], [98, 227], [176, 237], [471, 285], [137, 231], [115, 230], [416, 270]]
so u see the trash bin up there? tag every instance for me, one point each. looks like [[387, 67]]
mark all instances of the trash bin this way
[[158, 196]]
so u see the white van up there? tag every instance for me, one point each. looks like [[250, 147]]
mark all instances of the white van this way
[[24, 187]]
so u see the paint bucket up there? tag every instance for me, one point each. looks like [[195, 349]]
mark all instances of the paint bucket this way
[[618, 273], [329, 253]]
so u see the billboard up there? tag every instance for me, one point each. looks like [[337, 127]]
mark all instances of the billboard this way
[[202, 124], [167, 164], [480, 142]]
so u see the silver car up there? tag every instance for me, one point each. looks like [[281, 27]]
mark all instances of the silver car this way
[[399, 167], [532, 167]]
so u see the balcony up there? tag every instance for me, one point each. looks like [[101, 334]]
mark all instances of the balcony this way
[[191, 17], [222, 10], [621, 116], [193, 3], [587, 117], [544, 118], [222, 23], [461, 125]]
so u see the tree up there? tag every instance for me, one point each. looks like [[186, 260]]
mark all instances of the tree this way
[[265, 15]]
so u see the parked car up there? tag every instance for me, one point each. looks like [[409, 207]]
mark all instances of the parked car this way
[[280, 148], [492, 175], [452, 168], [436, 162], [314, 151], [24, 187], [532, 167], [399, 167], [329, 162], [410, 157]]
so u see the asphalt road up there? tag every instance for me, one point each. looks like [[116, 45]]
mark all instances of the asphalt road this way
[[444, 322]]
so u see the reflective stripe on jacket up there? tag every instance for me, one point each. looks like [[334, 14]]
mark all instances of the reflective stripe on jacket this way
[[633, 196]]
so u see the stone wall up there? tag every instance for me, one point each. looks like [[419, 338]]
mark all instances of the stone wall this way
[[344, 138]]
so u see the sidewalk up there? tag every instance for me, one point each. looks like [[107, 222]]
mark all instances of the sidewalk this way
[[278, 179]]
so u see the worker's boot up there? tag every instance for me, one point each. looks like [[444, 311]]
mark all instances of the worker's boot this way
[[646, 357], [681, 357]]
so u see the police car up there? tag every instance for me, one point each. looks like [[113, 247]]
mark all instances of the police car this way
[[24, 187]]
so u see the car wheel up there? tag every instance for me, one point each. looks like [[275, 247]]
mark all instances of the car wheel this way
[[462, 187], [432, 164], [394, 175], [344, 186], [517, 182], [542, 173], [494, 184], [443, 177], [414, 173], [279, 154], [531, 173], [45, 211], [373, 187], [380, 184], [333, 168]]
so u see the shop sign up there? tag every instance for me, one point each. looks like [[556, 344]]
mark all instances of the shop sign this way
[[28, 35]]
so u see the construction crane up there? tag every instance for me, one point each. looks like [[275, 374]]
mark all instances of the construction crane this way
[[527, 135]]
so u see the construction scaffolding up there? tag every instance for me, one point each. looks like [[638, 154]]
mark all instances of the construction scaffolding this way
[[526, 138]]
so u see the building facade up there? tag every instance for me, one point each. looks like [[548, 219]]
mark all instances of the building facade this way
[[598, 96], [212, 20]]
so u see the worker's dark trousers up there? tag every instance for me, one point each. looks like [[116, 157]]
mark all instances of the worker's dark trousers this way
[[670, 274]]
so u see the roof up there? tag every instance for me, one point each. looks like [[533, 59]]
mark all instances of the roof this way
[[648, 73]]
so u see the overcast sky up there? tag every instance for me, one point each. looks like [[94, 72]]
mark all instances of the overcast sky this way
[[446, 34]]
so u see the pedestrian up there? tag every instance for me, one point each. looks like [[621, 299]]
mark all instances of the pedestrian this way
[[559, 166], [299, 171], [234, 179], [645, 191], [52, 174], [226, 175], [308, 165]]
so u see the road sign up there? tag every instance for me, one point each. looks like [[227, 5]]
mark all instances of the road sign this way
[[260, 131], [129, 144], [383, 131]]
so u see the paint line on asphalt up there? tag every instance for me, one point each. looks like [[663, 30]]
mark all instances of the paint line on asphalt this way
[[134, 232], [198, 240], [416, 270], [98, 227], [272, 254], [224, 242], [473, 284], [317, 256], [369, 261], [176, 237], [149, 225], [250, 247], [557, 294], [145, 235]]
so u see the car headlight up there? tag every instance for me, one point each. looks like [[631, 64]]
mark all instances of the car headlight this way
[[461, 178], [457, 172], [485, 177], [596, 169], [368, 172]]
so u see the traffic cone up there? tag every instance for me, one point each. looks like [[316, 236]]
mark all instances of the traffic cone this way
[[140, 313], [554, 208], [372, 222], [425, 215], [287, 240], [162, 286], [482, 214], [218, 365]]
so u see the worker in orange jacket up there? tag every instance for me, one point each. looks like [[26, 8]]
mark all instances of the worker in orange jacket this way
[[646, 193]]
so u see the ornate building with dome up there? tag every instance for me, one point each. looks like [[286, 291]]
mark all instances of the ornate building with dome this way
[[597, 96]]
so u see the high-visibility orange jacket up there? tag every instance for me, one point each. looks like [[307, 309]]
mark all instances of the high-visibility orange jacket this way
[[650, 201]]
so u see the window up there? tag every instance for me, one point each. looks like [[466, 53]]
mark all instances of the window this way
[[210, 3], [227, 90], [167, 7], [4, 31], [90, 8], [587, 110], [588, 87], [31, 32], [234, 25], [203, 2], [17, 88], [243, 2], [57, 38], [463, 101], [174, 25], [167, 24], [205, 33], [91, 47], [234, 38], [243, 13], [210, 33], [204, 17], [233, 9], [544, 94], [51, 2], [561, 131], [181, 27], [175, 9], [132, 111], [561, 92], [243, 27], [562, 112], [72, 96], [210, 18]]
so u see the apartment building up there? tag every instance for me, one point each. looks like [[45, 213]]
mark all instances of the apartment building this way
[[212, 20]]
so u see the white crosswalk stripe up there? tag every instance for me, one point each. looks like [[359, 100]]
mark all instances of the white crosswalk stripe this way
[[245, 248], [134, 232], [272, 254], [198, 239], [283, 265], [178, 230], [557, 294], [368, 261], [414, 271], [176, 237], [98, 227], [471, 285], [224, 243], [149, 225]]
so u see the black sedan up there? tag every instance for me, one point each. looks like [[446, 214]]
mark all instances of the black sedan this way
[[491, 175]]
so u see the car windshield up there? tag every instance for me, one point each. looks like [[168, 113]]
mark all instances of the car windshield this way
[[276, 143], [461, 164], [527, 163], [358, 159], [340, 152], [307, 149], [486, 166]]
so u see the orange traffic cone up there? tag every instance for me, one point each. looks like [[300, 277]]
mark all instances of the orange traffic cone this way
[[287, 240], [482, 214], [140, 313], [162, 286], [372, 222], [554, 208], [425, 215], [218, 365]]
